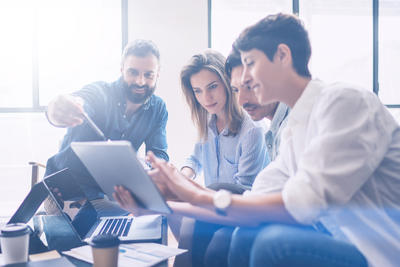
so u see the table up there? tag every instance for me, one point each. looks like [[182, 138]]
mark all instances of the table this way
[[164, 241]]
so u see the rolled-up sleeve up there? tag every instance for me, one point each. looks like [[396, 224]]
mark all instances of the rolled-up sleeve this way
[[157, 140], [194, 160], [271, 179], [94, 98], [348, 138]]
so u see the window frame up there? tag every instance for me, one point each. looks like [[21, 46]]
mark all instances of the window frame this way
[[375, 40], [36, 107]]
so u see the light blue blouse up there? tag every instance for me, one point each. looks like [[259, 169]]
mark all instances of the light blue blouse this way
[[230, 159]]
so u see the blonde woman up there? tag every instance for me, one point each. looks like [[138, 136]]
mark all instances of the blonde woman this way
[[231, 148], [230, 151]]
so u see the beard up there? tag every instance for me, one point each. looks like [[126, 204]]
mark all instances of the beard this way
[[138, 98]]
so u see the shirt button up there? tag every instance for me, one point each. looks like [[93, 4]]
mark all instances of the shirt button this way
[[124, 116], [123, 135], [119, 104], [269, 146]]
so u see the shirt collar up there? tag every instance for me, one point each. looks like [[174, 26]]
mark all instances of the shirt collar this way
[[302, 108], [149, 102], [281, 113], [212, 125]]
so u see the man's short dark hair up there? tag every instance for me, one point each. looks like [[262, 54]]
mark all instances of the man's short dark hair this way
[[232, 61], [140, 48], [277, 29]]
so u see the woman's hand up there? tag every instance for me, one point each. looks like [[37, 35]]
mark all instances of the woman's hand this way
[[127, 202], [162, 187], [178, 184]]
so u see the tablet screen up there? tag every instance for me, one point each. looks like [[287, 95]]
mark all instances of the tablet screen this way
[[114, 163]]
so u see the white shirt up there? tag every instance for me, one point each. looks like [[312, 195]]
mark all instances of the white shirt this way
[[340, 160]]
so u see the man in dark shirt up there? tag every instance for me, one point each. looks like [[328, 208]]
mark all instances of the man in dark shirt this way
[[125, 109]]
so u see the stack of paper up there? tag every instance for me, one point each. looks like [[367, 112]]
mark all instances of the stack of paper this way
[[137, 254]]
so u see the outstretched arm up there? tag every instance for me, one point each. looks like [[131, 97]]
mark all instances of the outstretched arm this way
[[245, 210], [65, 111]]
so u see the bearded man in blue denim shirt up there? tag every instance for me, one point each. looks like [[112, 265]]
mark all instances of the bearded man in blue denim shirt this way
[[125, 109]]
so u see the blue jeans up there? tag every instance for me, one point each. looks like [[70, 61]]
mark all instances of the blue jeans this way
[[286, 245], [210, 243], [217, 251]]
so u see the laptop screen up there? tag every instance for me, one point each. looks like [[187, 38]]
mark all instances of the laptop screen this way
[[67, 218], [70, 198], [30, 205], [43, 211]]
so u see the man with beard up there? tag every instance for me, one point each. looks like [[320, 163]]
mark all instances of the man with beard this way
[[125, 109], [275, 112]]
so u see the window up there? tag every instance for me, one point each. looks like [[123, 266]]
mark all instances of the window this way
[[341, 38], [346, 43], [389, 53], [56, 46], [229, 17], [16, 54]]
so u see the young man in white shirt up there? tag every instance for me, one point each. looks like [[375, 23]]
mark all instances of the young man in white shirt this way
[[339, 164]]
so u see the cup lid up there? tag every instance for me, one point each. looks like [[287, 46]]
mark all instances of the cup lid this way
[[104, 241], [14, 229]]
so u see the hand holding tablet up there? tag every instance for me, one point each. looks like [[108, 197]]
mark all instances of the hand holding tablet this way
[[115, 163]]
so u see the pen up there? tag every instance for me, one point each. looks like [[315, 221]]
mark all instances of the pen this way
[[94, 126]]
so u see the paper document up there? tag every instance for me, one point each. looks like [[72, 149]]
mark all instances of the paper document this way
[[137, 254], [53, 254]]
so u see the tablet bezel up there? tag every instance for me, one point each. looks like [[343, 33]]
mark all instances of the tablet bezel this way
[[114, 163]]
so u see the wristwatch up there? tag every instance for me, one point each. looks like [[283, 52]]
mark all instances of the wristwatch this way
[[222, 200]]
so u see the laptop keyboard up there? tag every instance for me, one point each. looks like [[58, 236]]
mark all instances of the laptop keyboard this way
[[119, 227]]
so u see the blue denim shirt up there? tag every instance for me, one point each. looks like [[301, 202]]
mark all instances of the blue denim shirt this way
[[105, 103], [273, 135], [230, 159]]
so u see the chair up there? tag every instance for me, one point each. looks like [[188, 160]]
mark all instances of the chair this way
[[35, 171], [72, 207]]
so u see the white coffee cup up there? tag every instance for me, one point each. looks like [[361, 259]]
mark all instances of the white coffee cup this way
[[14, 240]]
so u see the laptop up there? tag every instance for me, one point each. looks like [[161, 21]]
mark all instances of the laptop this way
[[114, 163], [62, 236], [128, 228]]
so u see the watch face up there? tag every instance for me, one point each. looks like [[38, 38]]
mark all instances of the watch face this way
[[222, 199]]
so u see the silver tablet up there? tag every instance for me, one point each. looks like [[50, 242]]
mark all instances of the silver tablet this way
[[114, 163]]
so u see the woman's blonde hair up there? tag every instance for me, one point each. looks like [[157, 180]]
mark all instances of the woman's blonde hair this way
[[215, 62]]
